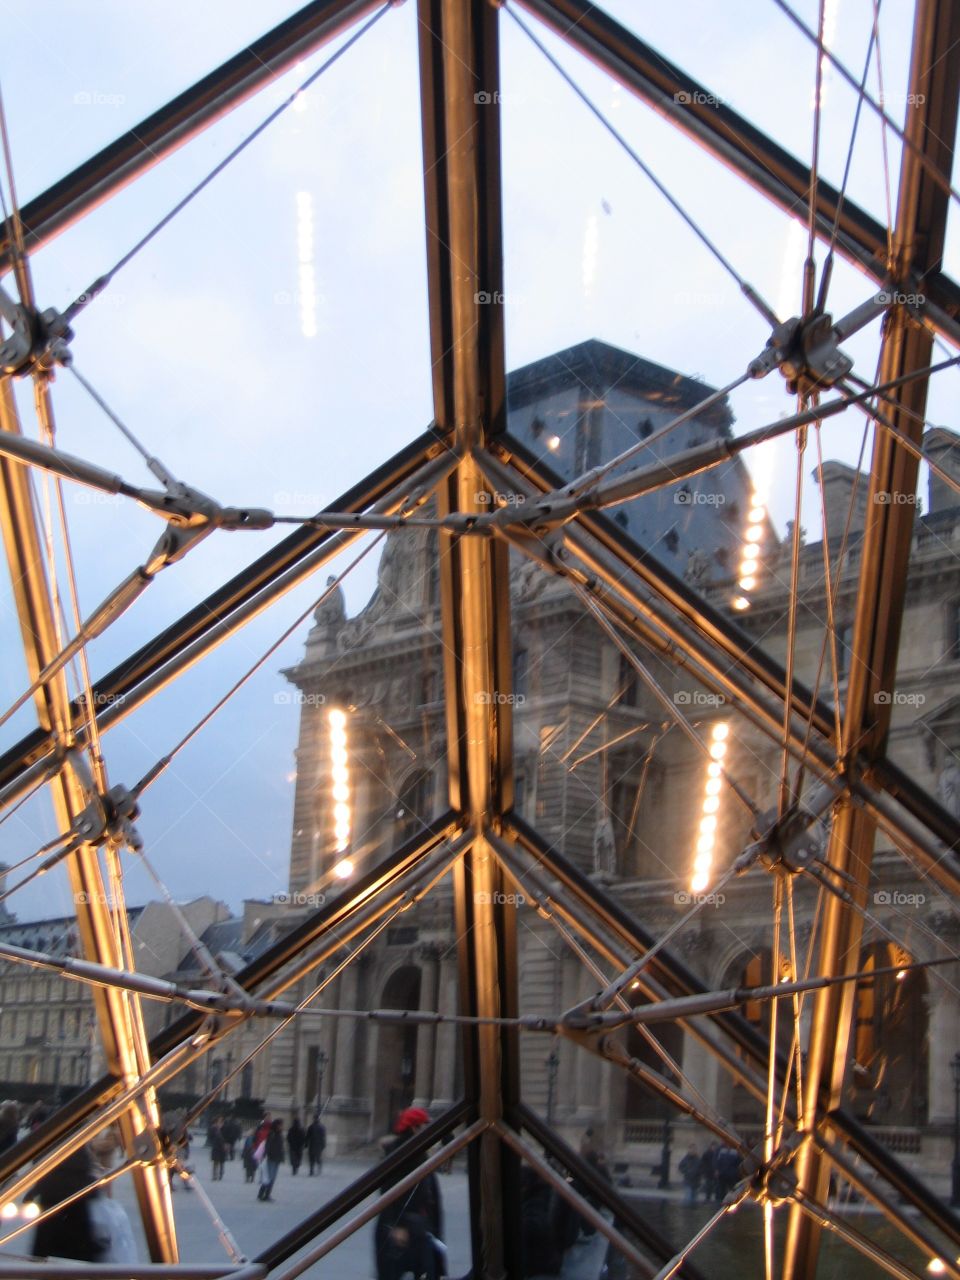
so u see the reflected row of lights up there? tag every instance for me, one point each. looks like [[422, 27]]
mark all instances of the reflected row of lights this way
[[340, 789], [707, 831], [750, 559], [307, 279], [28, 1211]]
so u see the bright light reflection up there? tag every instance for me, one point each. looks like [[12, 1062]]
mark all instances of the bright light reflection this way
[[749, 564], [703, 861], [340, 780]]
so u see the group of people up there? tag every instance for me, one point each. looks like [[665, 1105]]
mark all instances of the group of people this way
[[715, 1172], [409, 1232], [266, 1148]]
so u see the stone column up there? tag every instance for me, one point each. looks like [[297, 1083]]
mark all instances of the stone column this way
[[344, 1072], [943, 1040], [583, 1083], [447, 1043], [423, 1088]]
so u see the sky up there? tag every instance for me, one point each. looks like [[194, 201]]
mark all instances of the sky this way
[[198, 344]]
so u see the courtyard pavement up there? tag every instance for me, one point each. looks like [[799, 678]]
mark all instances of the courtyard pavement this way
[[254, 1224]]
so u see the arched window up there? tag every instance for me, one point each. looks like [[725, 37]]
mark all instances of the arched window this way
[[643, 1102], [414, 807], [397, 1047], [888, 1079], [756, 970]]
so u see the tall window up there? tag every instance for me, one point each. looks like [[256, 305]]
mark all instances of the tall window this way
[[627, 682], [953, 629], [431, 687], [246, 1081], [519, 791], [889, 1079], [521, 672], [844, 640], [414, 809]]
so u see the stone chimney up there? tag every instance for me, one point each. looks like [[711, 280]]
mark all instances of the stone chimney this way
[[943, 447], [838, 482]]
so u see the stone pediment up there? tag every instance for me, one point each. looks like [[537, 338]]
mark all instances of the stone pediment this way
[[940, 729]]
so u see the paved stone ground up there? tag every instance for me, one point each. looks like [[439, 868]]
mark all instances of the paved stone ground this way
[[254, 1225]]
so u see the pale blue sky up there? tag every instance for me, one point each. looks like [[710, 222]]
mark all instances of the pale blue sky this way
[[198, 346]]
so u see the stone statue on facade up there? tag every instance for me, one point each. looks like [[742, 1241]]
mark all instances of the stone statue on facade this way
[[604, 847], [948, 785], [698, 566], [331, 612]]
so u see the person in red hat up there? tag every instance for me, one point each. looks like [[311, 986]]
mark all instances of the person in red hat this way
[[409, 1232]]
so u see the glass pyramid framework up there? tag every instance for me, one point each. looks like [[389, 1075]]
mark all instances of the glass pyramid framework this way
[[466, 456]]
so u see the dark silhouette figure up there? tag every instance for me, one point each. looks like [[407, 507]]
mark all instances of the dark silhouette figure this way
[[246, 1155], [69, 1233], [218, 1149], [547, 1227], [231, 1135], [316, 1144], [296, 1138], [406, 1229]]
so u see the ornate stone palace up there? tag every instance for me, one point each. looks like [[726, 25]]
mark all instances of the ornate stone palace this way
[[605, 775]]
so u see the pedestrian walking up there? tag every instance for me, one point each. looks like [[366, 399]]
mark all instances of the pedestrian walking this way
[[316, 1144], [409, 1232], [71, 1232], [231, 1135], [218, 1149], [9, 1124], [588, 1144], [248, 1158], [689, 1168], [273, 1157], [728, 1171], [547, 1228], [708, 1171], [260, 1134], [296, 1138]]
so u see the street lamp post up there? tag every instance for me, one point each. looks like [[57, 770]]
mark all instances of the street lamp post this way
[[553, 1066], [321, 1068], [955, 1166], [664, 1179]]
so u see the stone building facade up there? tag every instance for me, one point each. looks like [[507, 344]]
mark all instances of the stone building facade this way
[[48, 1034], [604, 774]]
